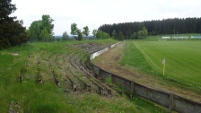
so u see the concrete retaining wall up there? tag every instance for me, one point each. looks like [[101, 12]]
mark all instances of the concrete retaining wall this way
[[98, 53], [168, 100]]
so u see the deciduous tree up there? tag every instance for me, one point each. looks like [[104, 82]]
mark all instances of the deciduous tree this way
[[142, 33], [34, 31], [94, 32], [86, 31], [134, 36], [79, 33], [114, 34], [74, 29], [42, 30], [47, 24], [120, 36], [45, 35], [65, 36], [102, 35]]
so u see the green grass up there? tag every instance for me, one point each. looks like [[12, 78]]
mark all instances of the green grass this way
[[32, 97], [183, 62]]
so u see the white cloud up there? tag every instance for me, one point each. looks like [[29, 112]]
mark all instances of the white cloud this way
[[97, 12]]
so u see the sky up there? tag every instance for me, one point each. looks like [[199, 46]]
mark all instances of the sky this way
[[94, 13]]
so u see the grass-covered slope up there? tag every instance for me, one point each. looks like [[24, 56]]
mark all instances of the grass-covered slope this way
[[55, 80]]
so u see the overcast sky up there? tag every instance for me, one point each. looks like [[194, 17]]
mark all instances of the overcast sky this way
[[93, 13]]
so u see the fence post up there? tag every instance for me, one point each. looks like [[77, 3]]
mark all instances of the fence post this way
[[171, 99]]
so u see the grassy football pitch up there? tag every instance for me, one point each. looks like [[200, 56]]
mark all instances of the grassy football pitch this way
[[182, 60]]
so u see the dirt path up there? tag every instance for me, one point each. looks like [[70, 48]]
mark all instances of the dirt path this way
[[109, 61]]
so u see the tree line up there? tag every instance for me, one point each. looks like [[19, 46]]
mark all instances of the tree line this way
[[78, 33], [155, 27], [13, 33]]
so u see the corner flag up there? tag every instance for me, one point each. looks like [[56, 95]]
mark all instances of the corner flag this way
[[163, 62]]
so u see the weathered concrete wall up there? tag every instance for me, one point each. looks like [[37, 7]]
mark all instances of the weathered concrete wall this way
[[104, 74], [159, 97], [96, 69], [98, 53], [122, 83], [186, 106], [114, 44], [102, 51], [168, 100]]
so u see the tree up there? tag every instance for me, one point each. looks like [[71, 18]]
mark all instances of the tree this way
[[86, 31], [74, 29], [155, 27], [99, 34], [120, 36], [102, 35], [47, 24], [79, 33], [114, 34], [142, 33], [34, 32], [45, 35], [11, 31], [65, 36], [6, 8], [42, 30], [94, 32], [134, 36], [16, 33]]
